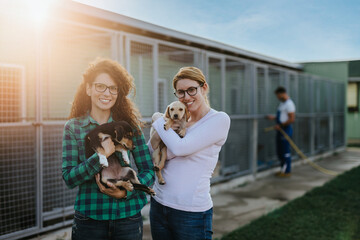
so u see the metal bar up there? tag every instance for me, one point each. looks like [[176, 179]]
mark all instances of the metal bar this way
[[150, 40], [103, 29], [121, 48], [53, 123], [331, 132], [287, 80], [267, 91], [23, 95], [141, 87], [156, 76], [254, 110], [16, 124], [127, 54], [223, 84], [254, 140], [20, 234], [114, 47], [58, 225], [67, 211], [38, 117]]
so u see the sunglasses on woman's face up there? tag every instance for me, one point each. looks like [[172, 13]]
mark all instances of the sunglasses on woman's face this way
[[114, 90]]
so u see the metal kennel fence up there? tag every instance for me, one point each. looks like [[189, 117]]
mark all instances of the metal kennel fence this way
[[39, 74]]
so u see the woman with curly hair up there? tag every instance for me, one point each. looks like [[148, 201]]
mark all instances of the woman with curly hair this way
[[104, 213]]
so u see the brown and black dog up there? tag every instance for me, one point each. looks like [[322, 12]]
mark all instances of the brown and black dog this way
[[121, 134], [176, 112]]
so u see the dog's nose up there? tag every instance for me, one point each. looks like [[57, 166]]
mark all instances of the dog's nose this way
[[176, 116]]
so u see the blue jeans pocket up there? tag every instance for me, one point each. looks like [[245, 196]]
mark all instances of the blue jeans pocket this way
[[80, 216], [137, 217]]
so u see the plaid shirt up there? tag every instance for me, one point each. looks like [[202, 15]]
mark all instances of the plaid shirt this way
[[79, 171]]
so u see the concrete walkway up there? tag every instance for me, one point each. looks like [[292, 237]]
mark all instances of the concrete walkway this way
[[241, 204]]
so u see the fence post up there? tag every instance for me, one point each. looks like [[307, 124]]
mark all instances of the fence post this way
[[253, 111], [331, 130], [39, 127], [313, 116], [120, 49]]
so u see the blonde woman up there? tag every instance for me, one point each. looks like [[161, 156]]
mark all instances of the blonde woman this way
[[104, 213], [182, 208]]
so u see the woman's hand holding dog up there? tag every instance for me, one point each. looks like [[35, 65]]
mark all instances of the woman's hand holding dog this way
[[112, 191], [155, 138]]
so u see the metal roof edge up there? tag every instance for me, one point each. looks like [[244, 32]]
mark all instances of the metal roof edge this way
[[331, 61], [132, 22]]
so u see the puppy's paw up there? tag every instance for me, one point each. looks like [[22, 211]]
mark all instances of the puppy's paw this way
[[152, 192], [103, 160], [125, 157], [166, 126], [156, 168], [182, 133], [128, 186], [162, 182]]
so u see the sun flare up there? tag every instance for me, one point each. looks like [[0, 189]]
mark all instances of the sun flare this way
[[38, 10]]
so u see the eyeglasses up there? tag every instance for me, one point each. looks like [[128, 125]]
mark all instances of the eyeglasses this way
[[114, 90], [191, 91]]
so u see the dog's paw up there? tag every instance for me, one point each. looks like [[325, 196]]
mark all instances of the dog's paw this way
[[128, 186], [166, 126], [162, 182], [103, 160], [182, 133], [156, 168], [152, 192], [105, 165]]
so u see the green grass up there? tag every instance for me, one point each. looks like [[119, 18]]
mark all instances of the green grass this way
[[328, 212]]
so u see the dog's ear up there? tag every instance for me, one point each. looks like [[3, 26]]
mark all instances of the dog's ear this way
[[167, 112], [89, 150], [187, 114], [119, 133]]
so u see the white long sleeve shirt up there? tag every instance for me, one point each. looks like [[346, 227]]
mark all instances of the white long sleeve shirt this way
[[192, 160]]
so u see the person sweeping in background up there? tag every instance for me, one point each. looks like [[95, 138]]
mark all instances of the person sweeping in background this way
[[285, 117]]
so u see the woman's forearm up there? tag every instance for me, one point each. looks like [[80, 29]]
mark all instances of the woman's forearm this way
[[214, 130]]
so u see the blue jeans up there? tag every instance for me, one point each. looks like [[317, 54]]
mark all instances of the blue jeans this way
[[85, 228], [283, 149], [172, 224]]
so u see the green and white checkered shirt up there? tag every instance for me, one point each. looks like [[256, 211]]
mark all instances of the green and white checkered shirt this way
[[79, 171]]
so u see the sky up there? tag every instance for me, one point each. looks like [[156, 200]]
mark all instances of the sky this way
[[292, 30]]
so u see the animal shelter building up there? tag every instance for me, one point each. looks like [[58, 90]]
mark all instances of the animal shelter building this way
[[41, 67]]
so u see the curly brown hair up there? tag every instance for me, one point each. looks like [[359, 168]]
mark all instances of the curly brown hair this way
[[124, 109]]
